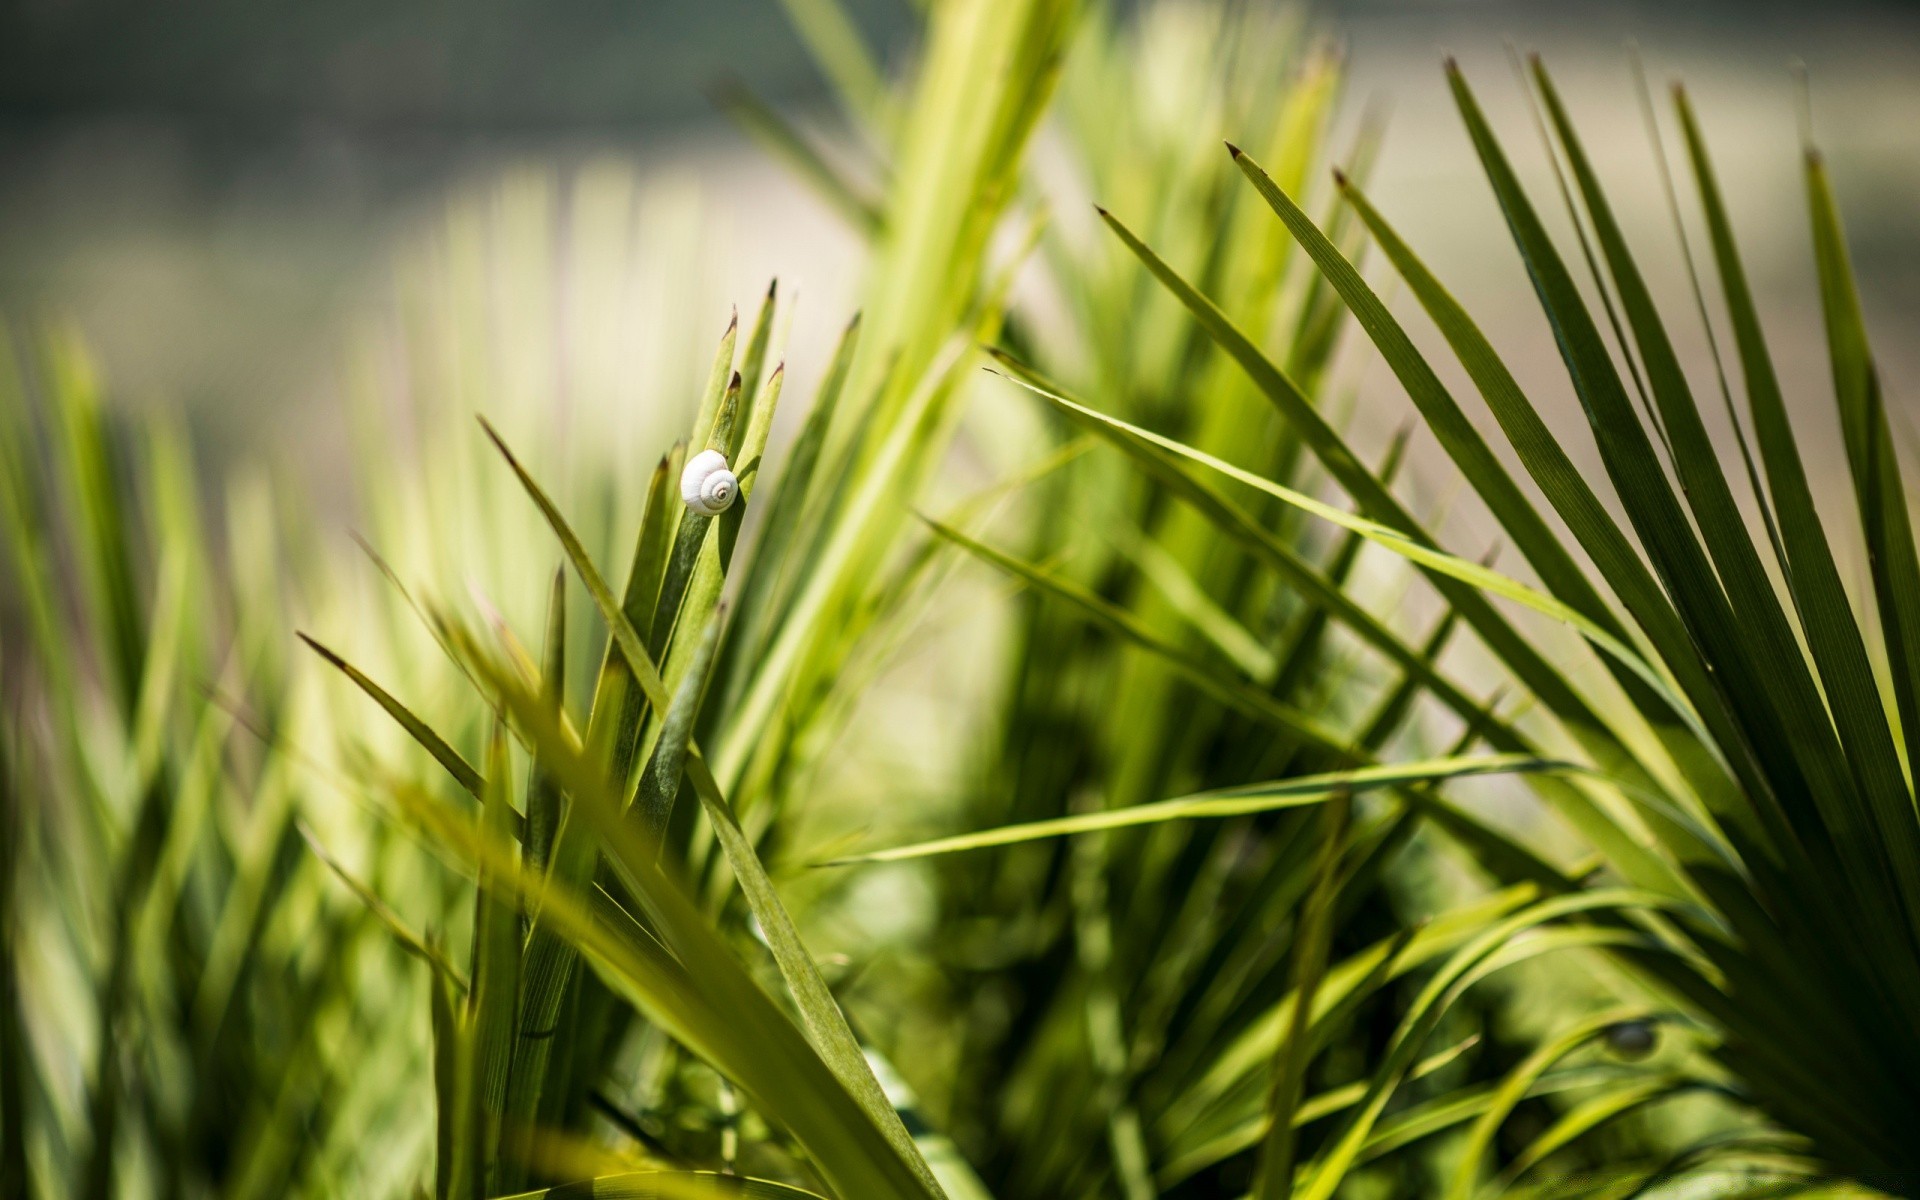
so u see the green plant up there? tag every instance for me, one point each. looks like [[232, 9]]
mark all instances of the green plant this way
[[186, 993], [1115, 1016], [1754, 811], [1206, 906]]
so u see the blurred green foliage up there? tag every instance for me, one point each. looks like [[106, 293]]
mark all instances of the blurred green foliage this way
[[509, 885]]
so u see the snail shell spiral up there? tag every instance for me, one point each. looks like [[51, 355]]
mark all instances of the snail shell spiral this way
[[708, 485]]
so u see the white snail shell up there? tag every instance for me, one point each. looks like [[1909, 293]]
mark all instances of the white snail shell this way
[[708, 485]]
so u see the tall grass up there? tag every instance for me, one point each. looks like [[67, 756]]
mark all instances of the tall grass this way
[[1751, 801], [519, 872]]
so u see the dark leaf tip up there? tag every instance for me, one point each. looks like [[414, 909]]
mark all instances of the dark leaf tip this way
[[319, 649], [494, 434], [1234, 151]]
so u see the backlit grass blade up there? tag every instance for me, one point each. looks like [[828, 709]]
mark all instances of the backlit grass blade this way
[[660, 782], [844, 1131], [1861, 788], [836, 44], [1646, 866], [831, 1035], [543, 804], [1205, 675], [1541, 546], [824, 1018], [752, 363], [1437, 561], [1641, 484], [690, 541], [453, 1097], [654, 542], [1826, 612], [1245, 528], [1463, 443], [1574, 499], [1183, 592], [1492, 950], [1517, 1084], [1306, 642], [1224, 802], [1273, 1178], [778, 135], [669, 1185], [783, 538], [717, 378], [1311, 1109], [16, 1069], [622, 631], [464, 773], [1247, 1056], [709, 576], [1385, 510], [1591, 1113], [493, 1003], [1879, 493], [413, 943], [96, 502]]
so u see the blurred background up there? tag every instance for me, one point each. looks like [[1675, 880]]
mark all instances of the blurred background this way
[[221, 195]]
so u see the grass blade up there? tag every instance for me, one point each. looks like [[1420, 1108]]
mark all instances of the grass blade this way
[[543, 802], [661, 782], [493, 1004], [778, 135], [1223, 802], [669, 1185], [1274, 1172], [464, 773], [14, 1063], [1878, 491], [825, 1021], [1236, 694]]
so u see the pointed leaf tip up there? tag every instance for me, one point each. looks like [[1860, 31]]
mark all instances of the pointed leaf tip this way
[[773, 286], [1234, 151], [319, 649], [1340, 179], [494, 435], [733, 385]]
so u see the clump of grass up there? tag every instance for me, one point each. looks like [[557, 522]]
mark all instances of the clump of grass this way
[[493, 892], [1752, 808]]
